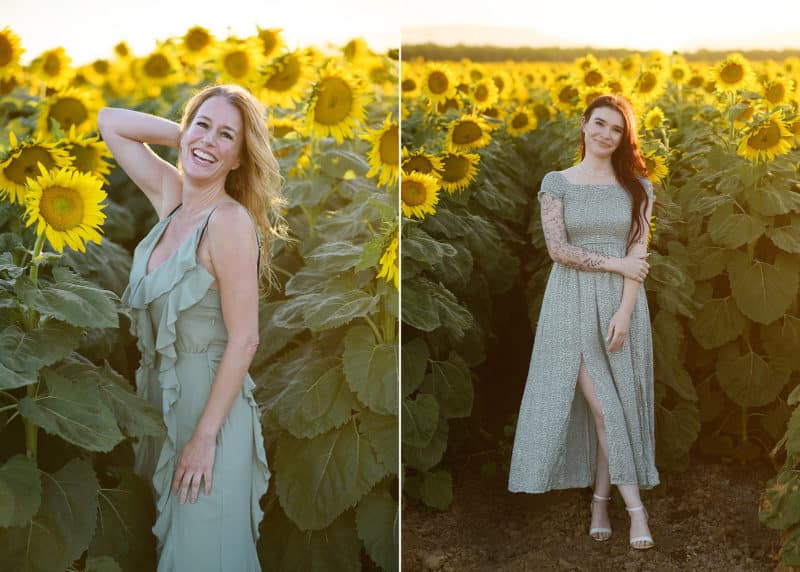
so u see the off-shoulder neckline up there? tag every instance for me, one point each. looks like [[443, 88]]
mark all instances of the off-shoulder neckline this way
[[565, 179]]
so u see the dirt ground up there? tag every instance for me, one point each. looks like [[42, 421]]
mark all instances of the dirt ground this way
[[703, 519]]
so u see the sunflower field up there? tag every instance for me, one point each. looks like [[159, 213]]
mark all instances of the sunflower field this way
[[327, 367], [721, 142]]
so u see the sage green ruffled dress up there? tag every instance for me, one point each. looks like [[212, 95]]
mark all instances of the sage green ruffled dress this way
[[555, 445], [177, 320]]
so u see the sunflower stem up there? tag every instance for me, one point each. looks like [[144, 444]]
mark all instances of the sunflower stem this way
[[374, 328], [37, 250]]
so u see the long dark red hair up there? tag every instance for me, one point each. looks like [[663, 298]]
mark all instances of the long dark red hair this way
[[628, 163]]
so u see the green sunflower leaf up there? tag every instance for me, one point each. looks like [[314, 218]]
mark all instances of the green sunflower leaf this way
[[371, 369], [20, 491], [318, 479], [378, 525]]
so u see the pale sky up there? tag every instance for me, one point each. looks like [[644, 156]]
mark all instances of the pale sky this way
[[89, 29], [682, 25]]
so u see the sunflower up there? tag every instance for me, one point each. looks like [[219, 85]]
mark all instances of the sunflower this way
[[409, 84], [70, 108], [438, 82], [10, 52], [679, 72], [503, 83], [484, 94], [419, 194], [52, 68], [158, 69], [653, 119], [564, 93], [592, 76], [22, 162], [446, 104], [356, 50], [336, 104], [283, 127], [284, 81], [649, 85], [631, 66], [198, 45], [96, 73], [238, 60], [732, 74], [766, 139], [384, 156], [587, 95], [777, 91], [467, 132], [9, 84], [122, 50], [520, 122], [458, 170], [389, 269], [421, 162], [66, 206], [88, 154], [794, 128], [271, 41], [656, 167]]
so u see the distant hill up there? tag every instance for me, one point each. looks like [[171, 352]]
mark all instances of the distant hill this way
[[492, 53], [487, 43]]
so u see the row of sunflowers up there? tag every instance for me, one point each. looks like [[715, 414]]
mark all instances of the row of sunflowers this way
[[327, 368], [721, 142]]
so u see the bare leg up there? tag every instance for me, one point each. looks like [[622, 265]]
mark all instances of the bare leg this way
[[602, 483], [602, 479]]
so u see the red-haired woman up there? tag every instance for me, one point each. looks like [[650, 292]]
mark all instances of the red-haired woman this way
[[594, 330]]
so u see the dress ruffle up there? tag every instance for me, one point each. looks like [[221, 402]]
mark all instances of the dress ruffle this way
[[184, 282]]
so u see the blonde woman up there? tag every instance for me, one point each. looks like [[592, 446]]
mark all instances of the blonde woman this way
[[193, 294]]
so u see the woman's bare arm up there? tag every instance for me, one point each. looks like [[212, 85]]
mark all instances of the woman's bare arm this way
[[127, 133], [233, 247], [559, 248]]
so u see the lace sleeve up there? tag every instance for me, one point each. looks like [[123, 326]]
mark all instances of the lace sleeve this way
[[559, 249]]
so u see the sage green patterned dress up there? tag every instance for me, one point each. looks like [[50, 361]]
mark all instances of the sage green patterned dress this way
[[555, 445], [177, 320]]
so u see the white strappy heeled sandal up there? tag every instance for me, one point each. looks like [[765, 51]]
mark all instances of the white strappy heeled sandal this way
[[599, 530], [636, 539]]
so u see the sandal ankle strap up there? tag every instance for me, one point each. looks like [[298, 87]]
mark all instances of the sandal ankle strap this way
[[640, 507], [599, 498]]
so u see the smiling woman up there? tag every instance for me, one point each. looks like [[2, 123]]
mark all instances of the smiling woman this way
[[193, 294]]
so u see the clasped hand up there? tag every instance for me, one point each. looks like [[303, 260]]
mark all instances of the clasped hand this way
[[635, 266], [195, 462]]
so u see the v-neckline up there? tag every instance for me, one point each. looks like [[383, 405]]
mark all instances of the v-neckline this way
[[189, 238]]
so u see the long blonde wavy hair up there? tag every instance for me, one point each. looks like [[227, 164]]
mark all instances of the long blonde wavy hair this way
[[256, 184]]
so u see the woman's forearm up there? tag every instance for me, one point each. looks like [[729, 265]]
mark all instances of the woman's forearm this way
[[228, 383], [137, 126], [630, 290]]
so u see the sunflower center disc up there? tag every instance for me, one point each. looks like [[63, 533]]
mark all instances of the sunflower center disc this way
[[335, 101], [456, 168], [765, 138], [284, 79], [68, 112], [593, 78], [732, 73], [6, 50], [237, 64], [413, 193], [775, 93], [52, 65], [466, 132], [157, 65], [24, 166], [390, 147], [408, 85], [481, 93], [437, 83], [85, 159], [61, 208], [520, 120], [648, 82], [196, 40], [418, 164]]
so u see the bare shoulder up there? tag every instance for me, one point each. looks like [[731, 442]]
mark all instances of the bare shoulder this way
[[231, 222]]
